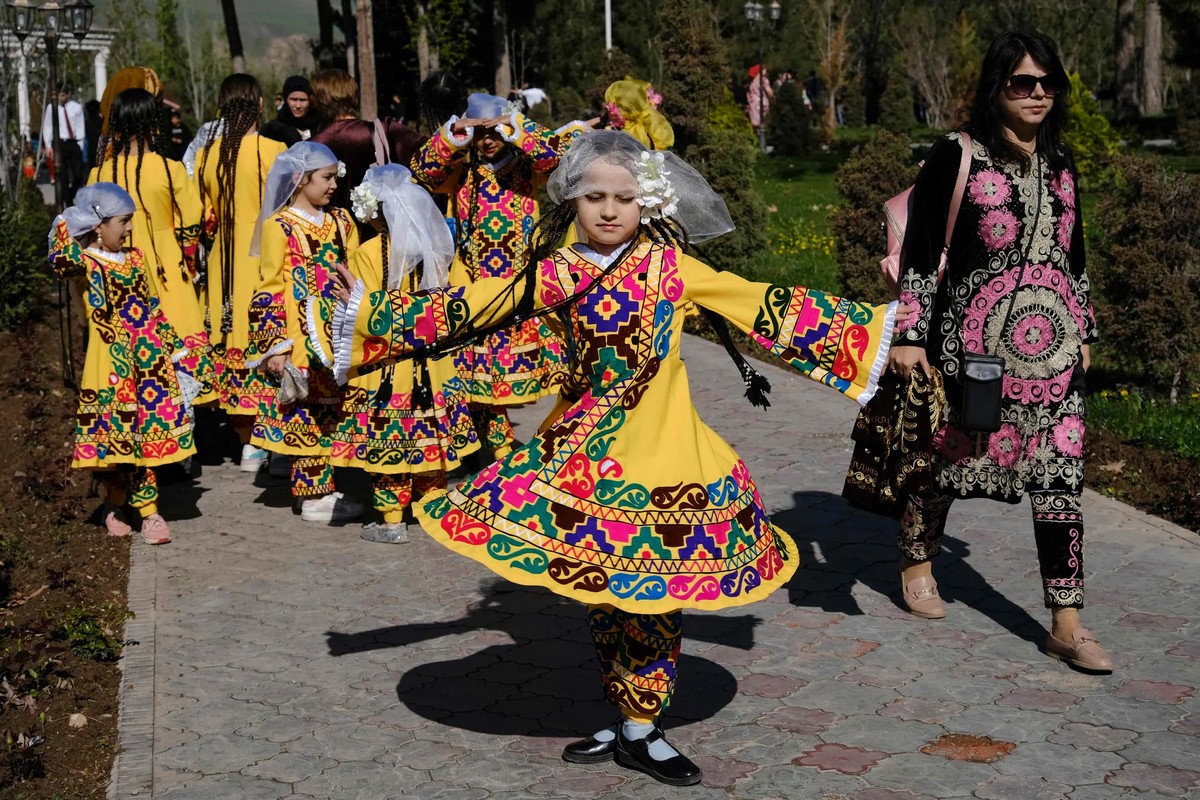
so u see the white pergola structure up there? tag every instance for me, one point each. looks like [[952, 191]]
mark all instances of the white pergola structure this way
[[98, 42]]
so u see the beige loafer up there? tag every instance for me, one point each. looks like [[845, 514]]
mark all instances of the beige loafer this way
[[921, 597], [1083, 651]]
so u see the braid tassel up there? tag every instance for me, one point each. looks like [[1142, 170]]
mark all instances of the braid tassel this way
[[757, 385]]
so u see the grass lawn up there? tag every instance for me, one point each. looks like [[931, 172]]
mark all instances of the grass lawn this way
[[800, 195]]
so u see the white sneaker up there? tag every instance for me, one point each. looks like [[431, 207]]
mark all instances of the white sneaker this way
[[253, 458], [280, 466], [333, 507]]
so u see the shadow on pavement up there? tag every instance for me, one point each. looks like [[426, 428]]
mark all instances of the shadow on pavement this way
[[540, 678], [840, 545]]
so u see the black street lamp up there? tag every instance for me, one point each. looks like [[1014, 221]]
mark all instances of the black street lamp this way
[[761, 17], [73, 17]]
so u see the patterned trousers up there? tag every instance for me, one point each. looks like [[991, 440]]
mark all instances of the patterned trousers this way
[[494, 427], [312, 476], [393, 492], [1057, 530], [639, 654], [137, 486]]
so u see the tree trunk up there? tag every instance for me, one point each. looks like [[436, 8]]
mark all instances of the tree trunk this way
[[366, 60], [349, 28], [236, 53], [500, 47], [1126, 84], [427, 57], [1152, 60], [324, 52]]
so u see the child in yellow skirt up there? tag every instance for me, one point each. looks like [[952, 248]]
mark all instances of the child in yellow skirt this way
[[133, 412], [408, 424], [301, 239]]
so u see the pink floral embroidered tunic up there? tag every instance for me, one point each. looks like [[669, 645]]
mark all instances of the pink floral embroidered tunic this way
[[1039, 446]]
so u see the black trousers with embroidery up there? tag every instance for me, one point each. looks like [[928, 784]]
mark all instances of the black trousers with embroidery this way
[[1057, 530]]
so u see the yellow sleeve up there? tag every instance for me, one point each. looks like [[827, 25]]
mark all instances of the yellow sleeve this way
[[833, 340], [268, 311]]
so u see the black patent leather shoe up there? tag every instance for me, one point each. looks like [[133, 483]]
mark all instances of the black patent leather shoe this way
[[590, 750], [634, 754]]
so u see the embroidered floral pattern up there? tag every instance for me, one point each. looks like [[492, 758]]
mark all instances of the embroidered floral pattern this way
[[1004, 446], [1068, 436], [1063, 187], [998, 229], [1066, 227], [989, 188]]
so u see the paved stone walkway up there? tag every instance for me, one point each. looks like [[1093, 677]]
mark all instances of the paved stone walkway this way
[[278, 659]]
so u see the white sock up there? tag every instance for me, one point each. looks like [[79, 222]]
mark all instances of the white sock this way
[[659, 750], [606, 735]]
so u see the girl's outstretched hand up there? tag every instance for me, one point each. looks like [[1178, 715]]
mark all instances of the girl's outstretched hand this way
[[343, 284]]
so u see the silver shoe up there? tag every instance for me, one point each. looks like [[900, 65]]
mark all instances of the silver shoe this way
[[384, 533]]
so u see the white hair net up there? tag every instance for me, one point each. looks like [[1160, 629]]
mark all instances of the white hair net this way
[[208, 132], [416, 228], [667, 185], [284, 178], [94, 204]]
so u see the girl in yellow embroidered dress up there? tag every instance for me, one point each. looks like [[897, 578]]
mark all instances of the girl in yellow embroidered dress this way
[[133, 414], [302, 241], [594, 508]]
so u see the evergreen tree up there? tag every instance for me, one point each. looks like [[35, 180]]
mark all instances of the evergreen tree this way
[[695, 68], [896, 104], [789, 125]]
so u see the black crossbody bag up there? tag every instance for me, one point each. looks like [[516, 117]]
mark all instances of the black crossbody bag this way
[[983, 374]]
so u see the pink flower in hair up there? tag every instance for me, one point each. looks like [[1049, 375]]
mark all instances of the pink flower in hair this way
[[654, 97], [615, 117]]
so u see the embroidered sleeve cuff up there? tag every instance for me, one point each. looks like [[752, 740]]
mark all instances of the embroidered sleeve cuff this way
[[881, 358], [513, 135], [282, 346], [457, 142], [179, 355], [344, 316]]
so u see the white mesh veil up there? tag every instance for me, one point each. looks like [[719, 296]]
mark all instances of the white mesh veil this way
[[94, 204], [416, 227], [284, 178], [669, 186]]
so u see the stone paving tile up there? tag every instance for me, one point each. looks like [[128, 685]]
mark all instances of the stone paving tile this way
[[332, 667]]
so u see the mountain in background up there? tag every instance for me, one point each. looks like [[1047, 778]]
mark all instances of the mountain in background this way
[[261, 21]]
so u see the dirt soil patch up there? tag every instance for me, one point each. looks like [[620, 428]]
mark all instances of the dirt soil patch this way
[[62, 588]]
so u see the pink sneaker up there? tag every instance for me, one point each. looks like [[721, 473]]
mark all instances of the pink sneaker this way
[[155, 530], [113, 522]]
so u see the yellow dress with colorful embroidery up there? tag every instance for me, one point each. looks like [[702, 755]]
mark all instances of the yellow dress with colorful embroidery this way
[[131, 410], [240, 390], [290, 313], [166, 229], [386, 427], [628, 498], [495, 208]]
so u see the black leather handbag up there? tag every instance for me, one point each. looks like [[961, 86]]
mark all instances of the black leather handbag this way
[[982, 375]]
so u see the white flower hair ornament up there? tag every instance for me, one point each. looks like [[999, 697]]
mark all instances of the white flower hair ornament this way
[[656, 193], [364, 203], [341, 173]]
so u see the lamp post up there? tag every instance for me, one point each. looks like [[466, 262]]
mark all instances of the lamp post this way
[[72, 17], [761, 17]]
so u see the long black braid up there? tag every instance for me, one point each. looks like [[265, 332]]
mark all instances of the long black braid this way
[[240, 108], [135, 121]]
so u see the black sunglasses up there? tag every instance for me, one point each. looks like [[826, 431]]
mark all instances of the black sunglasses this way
[[1023, 85]]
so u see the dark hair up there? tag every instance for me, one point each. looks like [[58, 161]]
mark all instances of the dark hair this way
[[1005, 53], [134, 121], [442, 95], [334, 93], [240, 106]]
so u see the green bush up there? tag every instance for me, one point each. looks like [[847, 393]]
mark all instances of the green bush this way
[[695, 68], [896, 103], [1092, 140], [726, 158], [874, 172], [1187, 134], [789, 125], [24, 273], [1144, 264]]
